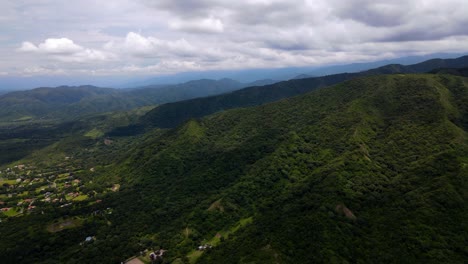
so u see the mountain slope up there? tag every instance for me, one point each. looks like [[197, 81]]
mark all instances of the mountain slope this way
[[70, 102], [170, 115], [421, 67], [371, 170]]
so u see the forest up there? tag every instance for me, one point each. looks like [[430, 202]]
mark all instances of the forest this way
[[370, 170]]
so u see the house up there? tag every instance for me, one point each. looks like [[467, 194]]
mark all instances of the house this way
[[204, 247], [156, 254]]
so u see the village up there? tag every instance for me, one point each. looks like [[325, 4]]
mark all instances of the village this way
[[26, 188]]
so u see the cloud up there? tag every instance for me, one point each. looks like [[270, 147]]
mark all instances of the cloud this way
[[66, 50], [28, 47], [59, 46], [39, 70], [206, 25], [140, 46], [156, 37], [376, 13]]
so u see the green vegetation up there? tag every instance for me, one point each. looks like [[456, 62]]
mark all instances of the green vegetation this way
[[62, 224], [174, 114], [94, 133], [372, 170], [67, 103]]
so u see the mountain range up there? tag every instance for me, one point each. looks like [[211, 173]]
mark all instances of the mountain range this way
[[173, 114], [70, 102], [367, 167]]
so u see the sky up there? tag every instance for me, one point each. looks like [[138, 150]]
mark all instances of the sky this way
[[58, 38]]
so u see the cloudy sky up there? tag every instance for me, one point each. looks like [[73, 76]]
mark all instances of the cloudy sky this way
[[154, 37]]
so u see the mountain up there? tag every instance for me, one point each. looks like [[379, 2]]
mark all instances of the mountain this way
[[173, 114], [453, 71], [357, 67], [285, 73], [372, 170], [422, 67], [191, 89], [70, 102], [40, 102]]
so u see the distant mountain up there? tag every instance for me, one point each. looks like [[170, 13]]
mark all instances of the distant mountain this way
[[48, 102], [416, 61], [173, 114], [422, 67], [285, 73], [453, 71], [69, 102]]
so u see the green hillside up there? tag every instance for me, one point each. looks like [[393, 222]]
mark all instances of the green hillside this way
[[452, 71], [373, 170], [66, 103], [173, 114]]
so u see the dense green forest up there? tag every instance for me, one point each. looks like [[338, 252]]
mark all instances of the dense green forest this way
[[68, 103], [173, 114], [371, 170]]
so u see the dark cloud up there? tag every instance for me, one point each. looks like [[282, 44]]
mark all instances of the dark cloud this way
[[374, 13], [186, 8]]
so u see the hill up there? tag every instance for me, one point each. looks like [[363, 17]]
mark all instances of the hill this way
[[452, 71], [421, 67], [173, 114], [66, 103], [372, 170]]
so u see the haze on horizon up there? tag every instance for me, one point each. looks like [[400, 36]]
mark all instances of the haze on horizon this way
[[111, 39]]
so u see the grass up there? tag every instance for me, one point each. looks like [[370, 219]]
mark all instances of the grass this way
[[11, 182], [63, 224], [11, 213], [94, 133], [195, 254], [81, 197]]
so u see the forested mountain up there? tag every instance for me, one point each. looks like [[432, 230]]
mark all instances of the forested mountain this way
[[70, 102], [173, 114], [372, 170], [453, 71], [421, 67]]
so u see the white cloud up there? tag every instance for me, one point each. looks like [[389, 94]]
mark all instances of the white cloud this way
[[28, 47], [64, 49], [39, 70], [150, 47], [52, 46], [59, 46], [205, 25]]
